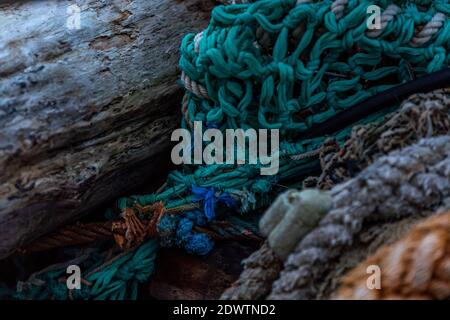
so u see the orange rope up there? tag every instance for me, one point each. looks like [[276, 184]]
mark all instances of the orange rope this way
[[415, 267]]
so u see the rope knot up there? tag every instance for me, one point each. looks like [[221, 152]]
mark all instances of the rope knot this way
[[209, 197], [134, 228]]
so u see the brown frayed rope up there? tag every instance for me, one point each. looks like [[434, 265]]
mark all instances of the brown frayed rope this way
[[77, 234], [420, 116]]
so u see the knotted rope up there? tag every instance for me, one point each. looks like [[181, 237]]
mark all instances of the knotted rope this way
[[420, 116], [271, 64]]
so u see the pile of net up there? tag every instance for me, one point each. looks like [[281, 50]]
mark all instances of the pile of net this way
[[290, 65]]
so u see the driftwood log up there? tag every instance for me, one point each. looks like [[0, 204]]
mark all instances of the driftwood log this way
[[85, 114]]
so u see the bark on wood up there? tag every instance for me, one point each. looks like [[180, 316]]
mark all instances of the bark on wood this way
[[84, 114]]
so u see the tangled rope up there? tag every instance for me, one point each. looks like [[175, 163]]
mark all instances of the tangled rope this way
[[415, 267], [231, 65], [103, 277], [420, 116], [272, 64], [125, 233]]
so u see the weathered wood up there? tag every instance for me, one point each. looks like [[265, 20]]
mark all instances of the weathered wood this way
[[85, 115]]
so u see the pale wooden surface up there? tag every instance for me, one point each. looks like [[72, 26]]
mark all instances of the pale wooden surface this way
[[86, 114]]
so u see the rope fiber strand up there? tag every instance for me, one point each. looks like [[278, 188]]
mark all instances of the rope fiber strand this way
[[290, 65]]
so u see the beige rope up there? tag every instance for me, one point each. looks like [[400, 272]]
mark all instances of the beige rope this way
[[386, 17], [312, 154], [338, 7]]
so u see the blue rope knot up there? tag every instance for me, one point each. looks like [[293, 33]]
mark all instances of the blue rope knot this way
[[184, 231], [178, 231], [210, 198]]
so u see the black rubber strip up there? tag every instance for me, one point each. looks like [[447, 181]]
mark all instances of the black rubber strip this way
[[385, 99]]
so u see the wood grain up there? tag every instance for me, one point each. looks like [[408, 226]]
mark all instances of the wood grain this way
[[85, 115]]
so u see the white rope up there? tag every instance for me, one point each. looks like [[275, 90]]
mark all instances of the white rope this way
[[338, 7], [387, 16], [194, 87], [424, 35]]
